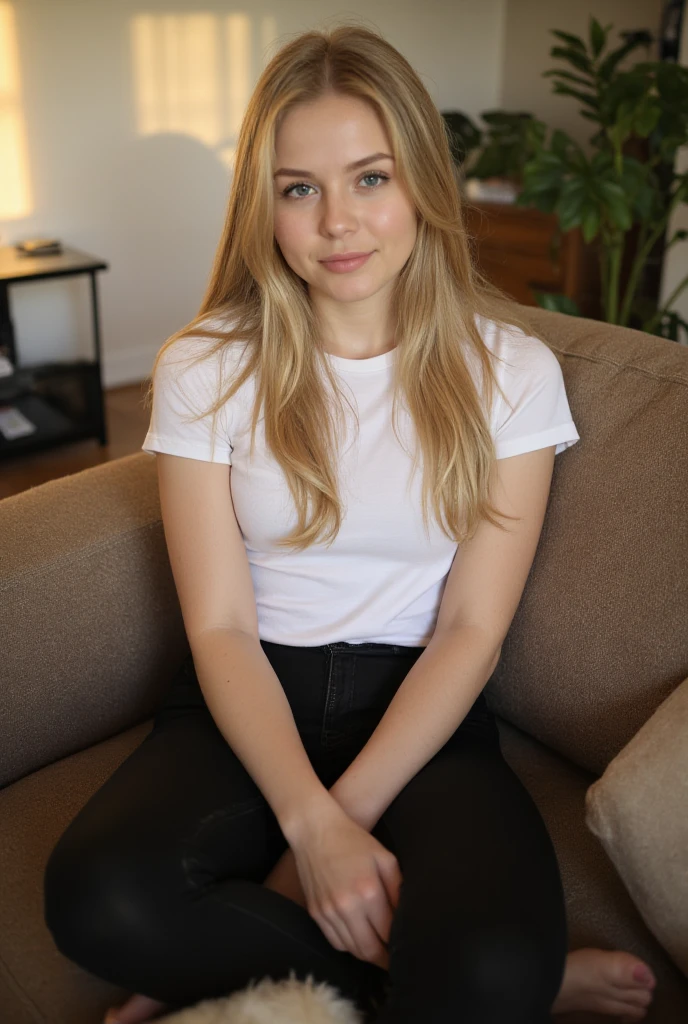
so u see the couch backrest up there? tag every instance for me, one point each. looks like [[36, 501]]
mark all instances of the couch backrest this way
[[91, 630], [600, 637]]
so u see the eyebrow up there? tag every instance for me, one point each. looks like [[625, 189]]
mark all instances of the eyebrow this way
[[290, 171]]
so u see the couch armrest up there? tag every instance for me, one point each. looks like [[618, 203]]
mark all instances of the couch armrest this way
[[91, 629], [638, 809]]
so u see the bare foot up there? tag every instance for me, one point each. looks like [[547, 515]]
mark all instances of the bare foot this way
[[136, 1009], [604, 981]]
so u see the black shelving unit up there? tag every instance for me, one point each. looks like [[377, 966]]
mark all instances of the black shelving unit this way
[[64, 400]]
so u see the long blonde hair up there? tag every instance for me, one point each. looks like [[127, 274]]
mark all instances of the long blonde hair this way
[[255, 298]]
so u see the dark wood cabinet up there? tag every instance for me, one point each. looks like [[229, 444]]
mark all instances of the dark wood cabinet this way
[[520, 250]]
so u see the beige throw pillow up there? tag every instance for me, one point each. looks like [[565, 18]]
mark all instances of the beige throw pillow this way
[[638, 809]]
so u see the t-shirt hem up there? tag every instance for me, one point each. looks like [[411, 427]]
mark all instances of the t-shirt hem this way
[[291, 641], [563, 435], [166, 446]]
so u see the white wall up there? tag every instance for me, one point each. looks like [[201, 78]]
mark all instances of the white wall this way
[[117, 126], [529, 40], [676, 261], [118, 121]]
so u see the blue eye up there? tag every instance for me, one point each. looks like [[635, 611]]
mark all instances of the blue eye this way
[[287, 192]]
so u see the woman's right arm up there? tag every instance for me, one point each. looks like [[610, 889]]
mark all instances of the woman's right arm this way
[[244, 695], [350, 880], [250, 708]]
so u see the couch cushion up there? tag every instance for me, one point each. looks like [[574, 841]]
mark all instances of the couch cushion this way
[[38, 984], [600, 911], [599, 639], [639, 812]]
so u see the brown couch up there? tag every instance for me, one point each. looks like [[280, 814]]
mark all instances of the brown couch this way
[[91, 631]]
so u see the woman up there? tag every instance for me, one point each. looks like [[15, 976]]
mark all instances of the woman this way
[[323, 790]]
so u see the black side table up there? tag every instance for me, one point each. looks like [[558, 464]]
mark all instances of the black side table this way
[[64, 400]]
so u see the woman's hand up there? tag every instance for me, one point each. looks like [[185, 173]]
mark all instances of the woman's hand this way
[[351, 884]]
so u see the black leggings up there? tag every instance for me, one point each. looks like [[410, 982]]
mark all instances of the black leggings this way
[[156, 885]]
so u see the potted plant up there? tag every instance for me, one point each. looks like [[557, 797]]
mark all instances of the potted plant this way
[[496, 153], [617, 187]]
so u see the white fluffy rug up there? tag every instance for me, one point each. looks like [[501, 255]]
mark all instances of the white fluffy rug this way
[[288, 1001]]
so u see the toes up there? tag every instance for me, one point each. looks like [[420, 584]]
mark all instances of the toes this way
[[628, 972], [627, 1014], [643, 975], [636, 991], [638, 1000]]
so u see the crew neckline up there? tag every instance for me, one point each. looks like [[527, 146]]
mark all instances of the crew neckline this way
[[369, 365]]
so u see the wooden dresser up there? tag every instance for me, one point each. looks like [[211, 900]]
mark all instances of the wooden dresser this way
[[516, 249]]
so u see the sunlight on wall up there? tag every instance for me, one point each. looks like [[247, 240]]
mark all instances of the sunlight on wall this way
[[15, 197], [193, 74]]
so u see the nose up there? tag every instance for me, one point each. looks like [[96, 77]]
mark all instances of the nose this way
[[338, 216]]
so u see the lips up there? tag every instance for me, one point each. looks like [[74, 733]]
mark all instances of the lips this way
[[344, 256]]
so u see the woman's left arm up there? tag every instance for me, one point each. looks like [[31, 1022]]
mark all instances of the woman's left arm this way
[[483, 590], [428, 706], [433, 699]]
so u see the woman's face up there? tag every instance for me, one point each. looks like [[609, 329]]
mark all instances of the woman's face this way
[[325, 207]]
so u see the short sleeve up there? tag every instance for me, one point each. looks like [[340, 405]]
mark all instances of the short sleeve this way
[[182, 389], [533, 383]]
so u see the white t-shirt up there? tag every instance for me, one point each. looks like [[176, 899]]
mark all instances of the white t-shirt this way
[[383, 577]]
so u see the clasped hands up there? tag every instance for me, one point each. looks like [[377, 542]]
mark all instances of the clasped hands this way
[[347, 881]]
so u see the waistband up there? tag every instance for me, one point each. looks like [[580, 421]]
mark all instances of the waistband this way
[[343, 646]]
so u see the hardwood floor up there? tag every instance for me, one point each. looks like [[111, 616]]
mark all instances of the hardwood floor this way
[[127, 424]]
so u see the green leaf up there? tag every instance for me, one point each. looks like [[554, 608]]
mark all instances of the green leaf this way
[[536, 183], [508, 118], [545, 159], [646, 119], [610, 62], [672, 82], [557, 303], [575, 57], [591, 222], [491, 163], [536, 132], [616, 202], [575, 184], [560, 144], [640, 186], [588, 82], [540, 175], [598, 37], [602, 163], [544, 201], [566, 90], [572, 40], [570, 208]]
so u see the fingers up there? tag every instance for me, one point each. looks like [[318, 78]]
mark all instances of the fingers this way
[[371, 924], [348, 925], [390, 873], [337, 937], [381, 914]]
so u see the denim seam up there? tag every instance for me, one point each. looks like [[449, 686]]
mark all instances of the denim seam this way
[[330, 696], [352, 684]]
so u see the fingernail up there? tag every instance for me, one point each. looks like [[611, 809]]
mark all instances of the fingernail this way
[[642, 973]]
